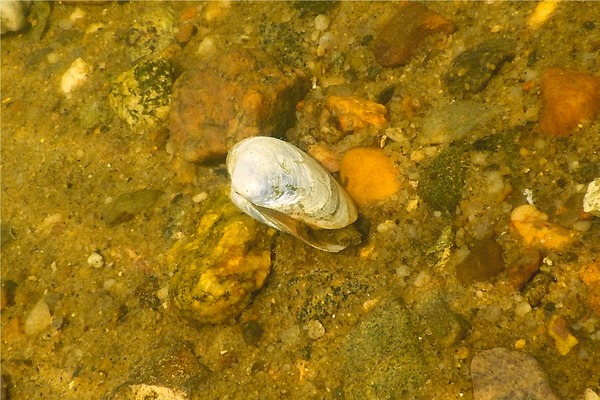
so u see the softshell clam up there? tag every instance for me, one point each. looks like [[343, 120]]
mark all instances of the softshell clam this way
[[283, 187]]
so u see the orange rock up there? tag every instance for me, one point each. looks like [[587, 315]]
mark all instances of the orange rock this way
[[533, 227], [356, 113], [568, 98], [403, 34], [368, 175]]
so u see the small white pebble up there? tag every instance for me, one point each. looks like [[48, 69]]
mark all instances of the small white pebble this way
[[206, 47], [522, 308], [75, 75], [163, 292], [200, 197], [95, 260], [386, 226], [322, 22]]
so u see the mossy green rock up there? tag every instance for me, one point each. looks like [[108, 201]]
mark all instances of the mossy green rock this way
[[443, 179], [219, 268]]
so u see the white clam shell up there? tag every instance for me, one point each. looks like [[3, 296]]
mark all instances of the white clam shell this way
[[274, 181]]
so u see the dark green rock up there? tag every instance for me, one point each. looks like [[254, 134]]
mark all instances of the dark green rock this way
[[128, 205], [472, 69], [483, 263], [251, 332], [443, 179]]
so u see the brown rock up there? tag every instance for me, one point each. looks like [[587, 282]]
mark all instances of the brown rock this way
[[524, 268], [568, 98], [483, 263], [236, 95], [403, 34]]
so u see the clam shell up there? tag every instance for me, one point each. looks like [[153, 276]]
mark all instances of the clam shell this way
[[281, 186]]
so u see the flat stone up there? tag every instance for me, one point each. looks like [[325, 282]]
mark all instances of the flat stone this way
[[472, 69]]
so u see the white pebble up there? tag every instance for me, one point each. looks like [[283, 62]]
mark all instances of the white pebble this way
[[591, 201], [95, 260], [200, 197], [386, 226], [163, 292], [322, 22], [12, 15], [522, 308], [38, 319], [75, 76], [206, 47]]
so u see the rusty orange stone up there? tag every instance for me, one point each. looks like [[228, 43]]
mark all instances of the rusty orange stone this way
[[368, 174], [568, 99]]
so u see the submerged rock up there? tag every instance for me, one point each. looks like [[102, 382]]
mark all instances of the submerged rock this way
[[443, 179], [483, 263], [236, 95], [141, 95], [219, 268], [471, 70], [403, 34], [368, 175], [128, 205], [383, 356], [503, 374], [568, 98]]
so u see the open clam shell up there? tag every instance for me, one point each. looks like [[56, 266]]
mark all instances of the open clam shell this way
[[283, 187]]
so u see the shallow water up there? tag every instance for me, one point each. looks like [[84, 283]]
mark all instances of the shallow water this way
[[386, 319]]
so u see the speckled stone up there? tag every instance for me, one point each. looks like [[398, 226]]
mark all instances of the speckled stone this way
[[472, 69], [503, 374]]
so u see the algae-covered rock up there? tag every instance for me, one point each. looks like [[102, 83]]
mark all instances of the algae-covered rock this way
[[443, 179], [142, 95], [218, 269], [151, 32], [383, 356], [471, 70]]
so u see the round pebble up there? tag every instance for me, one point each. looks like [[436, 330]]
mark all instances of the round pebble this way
[[322, 22]]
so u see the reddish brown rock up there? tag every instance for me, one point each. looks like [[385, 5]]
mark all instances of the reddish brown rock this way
[[568, 99], [403, 34], [236, 95]]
